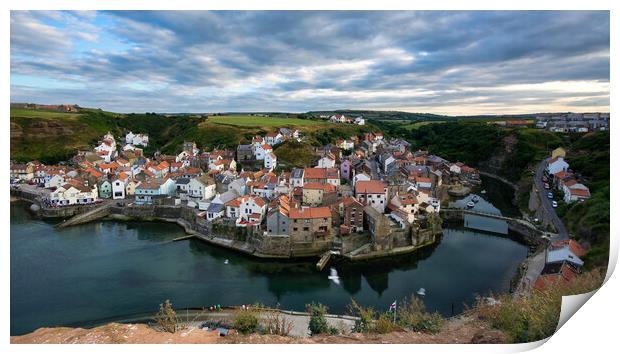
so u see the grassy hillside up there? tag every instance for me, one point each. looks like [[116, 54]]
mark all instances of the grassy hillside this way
[[264, 122]]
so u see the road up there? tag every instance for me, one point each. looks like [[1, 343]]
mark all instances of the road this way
[[545, 203]]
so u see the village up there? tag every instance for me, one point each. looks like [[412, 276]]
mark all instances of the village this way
[[364, 196]]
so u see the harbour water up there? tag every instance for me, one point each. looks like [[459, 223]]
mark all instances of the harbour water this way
[[103, 271]]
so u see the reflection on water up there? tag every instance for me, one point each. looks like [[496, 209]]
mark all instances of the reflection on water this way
[[108, 269]]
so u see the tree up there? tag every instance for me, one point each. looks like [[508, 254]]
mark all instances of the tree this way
[[318, 322]]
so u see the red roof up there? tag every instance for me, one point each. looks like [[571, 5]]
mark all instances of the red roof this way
[[370, 187], [310, 213], [574, 246], [580, 192], [322, 186], [423, 179]]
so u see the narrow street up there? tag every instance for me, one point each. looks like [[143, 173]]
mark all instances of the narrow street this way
[[545, 203]]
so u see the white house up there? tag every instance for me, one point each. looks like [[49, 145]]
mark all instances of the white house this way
[[73, 194], [556, 165], [373, 193], [261, 150], [273, 138], [148, 190], [55, 181], [271, 160], [137, 139], [326, 162], [246, 208], [118, 189], [360, 121], [202, 187], [297, 177]]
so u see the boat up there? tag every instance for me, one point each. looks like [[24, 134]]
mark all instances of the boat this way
[[226, 261], [484, 192], [470, 204], [475, 199], [422, 292]]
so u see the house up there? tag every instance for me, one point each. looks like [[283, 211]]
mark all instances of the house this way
[[55, 181], [271, 161], [310, 224], [297, 177], [563, 254], [555, 273], [118, 189], [137, 139], [353, 217], [313, 192], [239, 186], [338, 118], [245, 153], [73, 193], [202, 187], [360, 121], [556, 165], [182, 185], [373, 193], [215, 211], [278, 217], [322, 175], [424, 182], [575, 193], [327, 161], [22, 172], [273, 138], [154, 188], [346, 167], [105, 189], [246, 209], [130, 187]]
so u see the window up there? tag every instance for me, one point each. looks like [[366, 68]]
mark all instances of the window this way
[[294, 229], [306, 228]]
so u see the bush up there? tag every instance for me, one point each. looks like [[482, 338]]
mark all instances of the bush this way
[[246, 322], [318, 322], [366, 316], [276, 323], [412, 314], [535, 317], [385, 324], [167, 318]]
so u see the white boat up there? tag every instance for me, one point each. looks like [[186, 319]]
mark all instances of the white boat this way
[[475, 199], [470, 204], [333, 275], [226, 261], [422, 292], [484, 192]]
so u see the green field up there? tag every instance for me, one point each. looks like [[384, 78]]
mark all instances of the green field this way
[[253, 121], [31, 113]]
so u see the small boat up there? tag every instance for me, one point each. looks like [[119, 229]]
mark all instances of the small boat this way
[[421, 292], [470, 204], [475, 199], [484, 192], [226, 261]]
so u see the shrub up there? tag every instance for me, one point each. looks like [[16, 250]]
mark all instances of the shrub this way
[[412, 314], [385, 324], [246, 322], [534, 317], [318, 322], [366, 316], [167, 318], [276, 323]]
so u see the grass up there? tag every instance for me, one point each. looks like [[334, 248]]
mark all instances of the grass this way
[[260, 122], [32, 113], [417, 125]]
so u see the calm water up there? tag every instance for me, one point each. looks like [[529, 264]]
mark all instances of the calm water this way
[[107, 270]]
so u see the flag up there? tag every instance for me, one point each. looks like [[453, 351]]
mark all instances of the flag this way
[[393, 306]]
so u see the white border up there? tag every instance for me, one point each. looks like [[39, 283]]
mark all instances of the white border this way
[[591, 328]]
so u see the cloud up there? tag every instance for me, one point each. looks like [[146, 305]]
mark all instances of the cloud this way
[[462, 61]]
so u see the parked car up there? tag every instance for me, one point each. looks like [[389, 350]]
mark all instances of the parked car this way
[[550, 195], [554, 204], [546, 185], [544, 179]]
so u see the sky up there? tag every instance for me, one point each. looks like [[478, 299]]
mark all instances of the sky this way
[[456, 62]]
